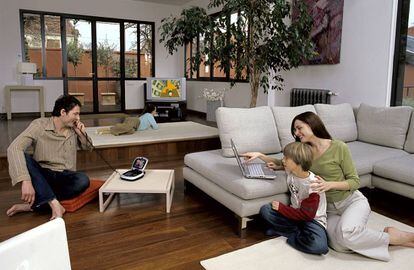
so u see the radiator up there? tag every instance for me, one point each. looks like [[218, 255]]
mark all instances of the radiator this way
[[302, 96]]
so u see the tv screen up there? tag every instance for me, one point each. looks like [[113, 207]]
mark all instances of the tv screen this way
[[166, 89]]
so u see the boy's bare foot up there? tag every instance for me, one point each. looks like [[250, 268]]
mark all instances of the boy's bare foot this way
[[17, 208], [57, 209], [400, 238]]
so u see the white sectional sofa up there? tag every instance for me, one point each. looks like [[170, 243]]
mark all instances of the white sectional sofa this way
[[381, 141]]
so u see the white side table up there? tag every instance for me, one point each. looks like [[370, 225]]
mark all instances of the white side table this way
[[9, 88], [154, 181]]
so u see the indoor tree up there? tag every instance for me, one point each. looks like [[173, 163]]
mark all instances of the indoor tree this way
[[259, 41]]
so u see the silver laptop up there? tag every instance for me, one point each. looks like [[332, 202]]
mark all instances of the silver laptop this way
[[253, 170]]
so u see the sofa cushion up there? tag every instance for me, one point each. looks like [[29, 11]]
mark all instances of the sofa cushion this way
[[226, 173], [399, 169], [383, 126], [339, 121], [284, 117], [251, 129], [409, 143], [365, 155], [88, 195]]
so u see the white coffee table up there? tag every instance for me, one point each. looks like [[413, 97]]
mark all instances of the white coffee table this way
[[154, 181]]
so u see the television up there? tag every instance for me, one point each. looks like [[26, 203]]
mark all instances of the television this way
[[165, 89]]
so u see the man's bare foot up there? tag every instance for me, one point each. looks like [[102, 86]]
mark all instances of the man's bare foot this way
[[17, 208], [400, 238], [57, 209]]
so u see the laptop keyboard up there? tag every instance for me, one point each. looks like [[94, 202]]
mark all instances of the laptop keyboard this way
[[255, 169]]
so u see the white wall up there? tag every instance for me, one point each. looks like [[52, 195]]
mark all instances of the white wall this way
[[365, 70], [238, 96], [165, 65], [364, 73]]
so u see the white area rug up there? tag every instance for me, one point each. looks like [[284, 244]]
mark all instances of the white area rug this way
[[167, 132], [276, 254]]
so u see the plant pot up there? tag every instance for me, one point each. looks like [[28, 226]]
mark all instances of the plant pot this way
[[212, 106], [108, 98], [79, 96]]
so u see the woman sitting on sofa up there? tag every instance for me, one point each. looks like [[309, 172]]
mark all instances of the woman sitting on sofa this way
[[348, 209]]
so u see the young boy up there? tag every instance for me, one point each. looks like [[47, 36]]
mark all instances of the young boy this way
[[304, 221]]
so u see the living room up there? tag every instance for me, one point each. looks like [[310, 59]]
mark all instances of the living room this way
[[134, 232]]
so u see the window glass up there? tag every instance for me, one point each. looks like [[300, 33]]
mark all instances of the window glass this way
[[239, 22], [108, 49], [109, 96], [408, 86], [33, 41], [46, 51], [193, 53], [78, 48], [219, 38], [131, 50], [204, 71], [145, 48], [188, 60], [53, 46], [236, 19], [83, 91]]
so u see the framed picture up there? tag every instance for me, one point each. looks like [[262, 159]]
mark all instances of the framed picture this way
[[326, 30]]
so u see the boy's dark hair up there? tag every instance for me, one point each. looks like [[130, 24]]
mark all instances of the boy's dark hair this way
[[66, 102], [314, 122], [300, 153], [149, 108]]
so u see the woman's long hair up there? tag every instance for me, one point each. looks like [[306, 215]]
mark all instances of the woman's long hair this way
[[314, 122]]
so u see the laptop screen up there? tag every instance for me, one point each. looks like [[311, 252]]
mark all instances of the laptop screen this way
[[236, 154]]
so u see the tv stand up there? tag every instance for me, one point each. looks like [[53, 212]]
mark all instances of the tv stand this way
[[169, 111]]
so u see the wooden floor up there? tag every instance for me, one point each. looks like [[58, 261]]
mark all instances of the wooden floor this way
[[136, 233]]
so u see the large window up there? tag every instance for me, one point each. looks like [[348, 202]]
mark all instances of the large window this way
[[93, 56], [207, 70], [115, 39], [32, 41], [403, 77]]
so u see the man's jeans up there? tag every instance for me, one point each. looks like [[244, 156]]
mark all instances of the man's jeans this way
[[306, 236], [49, 184]]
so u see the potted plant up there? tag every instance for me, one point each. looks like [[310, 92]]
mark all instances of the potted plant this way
[[263, 40]]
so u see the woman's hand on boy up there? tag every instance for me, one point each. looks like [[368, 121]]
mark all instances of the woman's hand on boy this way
[[320, 185], [275, 205]]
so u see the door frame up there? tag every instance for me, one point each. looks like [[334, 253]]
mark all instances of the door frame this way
[[403, 11], [94, 78]]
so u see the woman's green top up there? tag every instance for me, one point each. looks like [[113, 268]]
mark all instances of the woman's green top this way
[[336, 165]]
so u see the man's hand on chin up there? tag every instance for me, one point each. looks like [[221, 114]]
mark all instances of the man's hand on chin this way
[[80, 129]]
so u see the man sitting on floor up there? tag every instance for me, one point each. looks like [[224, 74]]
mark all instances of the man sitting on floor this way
[[50, 175]]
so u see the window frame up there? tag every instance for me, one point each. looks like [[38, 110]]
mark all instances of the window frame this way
[[212, 77], [94, 20], [401, 32]]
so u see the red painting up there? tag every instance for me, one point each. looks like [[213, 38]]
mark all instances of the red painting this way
[[326, 30]]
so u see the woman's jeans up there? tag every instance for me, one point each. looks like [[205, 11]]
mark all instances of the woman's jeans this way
[[306, 236], [50, 185]]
